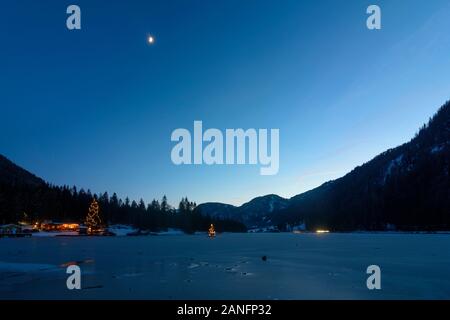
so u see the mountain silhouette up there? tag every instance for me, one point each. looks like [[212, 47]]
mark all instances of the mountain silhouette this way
[[407, 187], [256, 212], [12, 174]]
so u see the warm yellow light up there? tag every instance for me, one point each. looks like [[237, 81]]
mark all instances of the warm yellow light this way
[[70, 226], [322, 231], [211, 231]]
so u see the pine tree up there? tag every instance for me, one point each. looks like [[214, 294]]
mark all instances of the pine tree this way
[[164, 204], [155, 206], [141, 205]]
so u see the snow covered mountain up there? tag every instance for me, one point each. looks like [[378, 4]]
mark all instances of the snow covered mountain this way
[[253, 213], [218, 210], [407, 187]]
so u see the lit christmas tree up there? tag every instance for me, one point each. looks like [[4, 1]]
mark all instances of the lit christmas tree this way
[[93, 221], [211, 231]]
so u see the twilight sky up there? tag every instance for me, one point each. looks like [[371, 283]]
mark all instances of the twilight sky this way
[[96, 107]]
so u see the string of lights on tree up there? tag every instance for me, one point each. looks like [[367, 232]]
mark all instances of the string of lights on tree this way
[[93, 220]]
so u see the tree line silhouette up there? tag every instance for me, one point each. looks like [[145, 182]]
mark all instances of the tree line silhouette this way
[[47, 202]]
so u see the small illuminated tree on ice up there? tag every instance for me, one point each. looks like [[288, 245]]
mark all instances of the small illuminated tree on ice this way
[[211, 231]]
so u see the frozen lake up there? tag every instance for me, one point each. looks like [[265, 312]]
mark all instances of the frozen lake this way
[[298, 266]]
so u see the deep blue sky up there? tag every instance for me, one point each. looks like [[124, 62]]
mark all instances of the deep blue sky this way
[[95, 108]]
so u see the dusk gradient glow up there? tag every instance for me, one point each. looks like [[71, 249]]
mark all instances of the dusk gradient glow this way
[[96, 107]]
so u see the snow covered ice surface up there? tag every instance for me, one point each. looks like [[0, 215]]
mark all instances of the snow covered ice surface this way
[[230, 266]]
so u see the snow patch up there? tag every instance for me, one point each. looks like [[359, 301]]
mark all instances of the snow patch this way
[[394, 163], [121, 229], [171, 232], [437, 148], [54, 233]]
